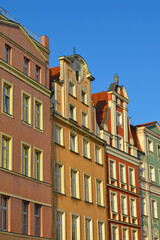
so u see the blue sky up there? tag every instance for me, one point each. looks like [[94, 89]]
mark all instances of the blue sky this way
[[113, 36]]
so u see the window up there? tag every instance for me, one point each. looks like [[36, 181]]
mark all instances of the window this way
[[84, 119], [113, 202], [101, 231], [88, 229], [26, 160], [7, 98], [73, 142], [133, 207], [72, 89], [72, 111], [150, 145], [87, 188], [152, 173], [26, 108], [131, 177], [75, 227], [37, 74], [120, 143], [144, 207], [142, 169], [98, 155], [7, 54], [99, 190], [4, 213], [134, 235], [125, 233], [6, 152], [38, 164], [26, 66], [37, 220], [124, 209], [112, 169], [77, 76], [74, 183], [38, 115], [122, 170], [115, 232], [24, 217], [58, 134], [86, 148], [119, 118], [59, 178], [60, 225], [154, 208], [158, 150], [84, 97]]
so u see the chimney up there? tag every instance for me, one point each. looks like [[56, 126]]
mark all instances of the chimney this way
[[45, 41]]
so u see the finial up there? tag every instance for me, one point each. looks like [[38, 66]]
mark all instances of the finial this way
[[116, 78], [74, 50]]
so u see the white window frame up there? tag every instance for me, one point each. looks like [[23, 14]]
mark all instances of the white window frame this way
[[90, 222], [99, 192], [131, 173], [154, 214], [112, 179], [84, 119], [38, 113], [120, 142], [116, 227], [98, 154], [75, 193], [9, 151], [136, 231], [144, 205], [119, 119], [152, 175], [127, 233], [85, 97], [7, 98], [124, 205], [58, 134], [158, 150], [59, 177], [74, 117], [122, 176], [133, 212], [73, 140], [101, 230], [77, 232], [62, 223], [150, 145], [86, 147], [72, 89], [113, 202], [87, 188], [142, 169]]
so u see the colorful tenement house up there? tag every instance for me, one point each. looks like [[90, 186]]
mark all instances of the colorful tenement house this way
[[79, 197], [149, 141], [25, 186], [122, 163]]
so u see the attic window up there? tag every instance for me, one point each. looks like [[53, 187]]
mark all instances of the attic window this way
[[77, 76]]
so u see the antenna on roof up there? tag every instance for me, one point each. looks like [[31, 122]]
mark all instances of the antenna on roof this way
[[74, 50]]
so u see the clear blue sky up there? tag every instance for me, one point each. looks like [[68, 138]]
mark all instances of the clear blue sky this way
[[113, 36]]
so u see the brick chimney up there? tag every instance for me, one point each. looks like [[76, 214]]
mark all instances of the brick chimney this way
[[45, 41]]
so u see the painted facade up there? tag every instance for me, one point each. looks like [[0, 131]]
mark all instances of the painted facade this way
[[79, 197], [122, 163], [24, 116], [149, 139]]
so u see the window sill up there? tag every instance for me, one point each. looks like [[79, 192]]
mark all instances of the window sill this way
[[119, 125], [73, 120], [85, 104], [86, 128], [87, 158], [88, 202], [59, 193], [38, 129], [27, 124], [8, 114], [74, 151], [98, 163], [59, 145], [76, 198], [72, 96], [102, 206]]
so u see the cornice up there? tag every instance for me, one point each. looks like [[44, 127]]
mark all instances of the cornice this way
[[149, 187], [124, 223], [122, 155], [28, 80], [123, 190], [148, 131], [21, 236], [119, 96]]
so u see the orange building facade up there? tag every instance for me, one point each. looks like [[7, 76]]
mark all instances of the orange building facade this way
[[79, 199], [25, 180], [122, 163]]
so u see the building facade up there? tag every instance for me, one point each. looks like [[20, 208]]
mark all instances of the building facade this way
[[25, 157], [78, 155], [149, 139], [121, 161]]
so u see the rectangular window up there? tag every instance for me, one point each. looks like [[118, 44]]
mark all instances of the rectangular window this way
[[86, 148], [134, 235], [120, 143], [99, 189], [25, 160], [59, 134], [37, 74], [37, 220], [131, 177], [84, 119], [7, 54], [72, 111], [112, 169], [125, 233], [73, 142], [75, 227], [88, 229], [113, 202], [72, 90], [25, 108], [4, 213], [98, 155], [5, 152], [87, 188], [60, 225], [115, 232], [84, 97], [59, 178], [124, 209], [152, 173], [154, 208], [24, 217], [142, 169], [7, 98], [133, 207], [158, 150], [101, 232], [122, 170], [119, 118], [150, 145], [37, 164], [26, 66], [75, 183], [144, 206], [38, 115]]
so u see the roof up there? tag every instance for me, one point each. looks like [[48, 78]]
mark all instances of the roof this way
[[145, 124], [135, 138], [54, 73]]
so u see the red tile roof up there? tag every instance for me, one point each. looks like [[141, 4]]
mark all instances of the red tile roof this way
[[54, 73], [145, 124]]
